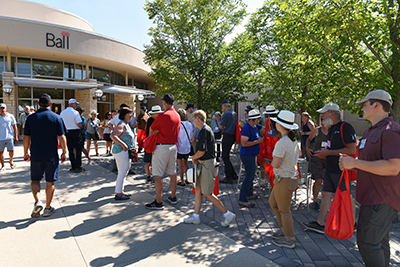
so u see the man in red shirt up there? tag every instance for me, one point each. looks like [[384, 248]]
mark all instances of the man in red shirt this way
[[378, 179], [167, 125]]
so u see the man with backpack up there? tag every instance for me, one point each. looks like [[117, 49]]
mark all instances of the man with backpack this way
[[340, 140]]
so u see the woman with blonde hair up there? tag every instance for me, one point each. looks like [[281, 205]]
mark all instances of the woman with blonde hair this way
[[285, 156]]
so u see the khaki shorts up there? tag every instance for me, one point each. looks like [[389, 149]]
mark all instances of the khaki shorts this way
[[164, 160], [206, 175]]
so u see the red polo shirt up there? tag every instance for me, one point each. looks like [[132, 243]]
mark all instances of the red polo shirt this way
[[168, 125], [382, 142]]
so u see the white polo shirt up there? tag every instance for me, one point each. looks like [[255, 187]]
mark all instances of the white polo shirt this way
[[114, 121], [71, 118]]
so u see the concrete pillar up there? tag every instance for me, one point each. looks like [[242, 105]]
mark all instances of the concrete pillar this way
[[8, 61], [87, 70], [126, 78], [10, 101]]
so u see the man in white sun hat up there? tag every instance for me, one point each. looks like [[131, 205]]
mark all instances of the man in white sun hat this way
[[378, 180], [340, 140]]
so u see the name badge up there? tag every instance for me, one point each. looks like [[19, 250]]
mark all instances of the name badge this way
[[324, 144], [362, 144], [328, 143]]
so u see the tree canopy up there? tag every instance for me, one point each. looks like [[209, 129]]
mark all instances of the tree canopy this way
[[188, 53], [312, 52]]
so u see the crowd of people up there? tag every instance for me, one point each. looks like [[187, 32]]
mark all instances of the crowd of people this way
[[269, 141]]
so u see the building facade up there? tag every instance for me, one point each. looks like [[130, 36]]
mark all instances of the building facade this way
[[47, 50]]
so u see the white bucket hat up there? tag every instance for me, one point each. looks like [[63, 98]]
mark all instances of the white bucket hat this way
[[286, 119], [254, 114], [94, 112], [155, 109], [270, 109]]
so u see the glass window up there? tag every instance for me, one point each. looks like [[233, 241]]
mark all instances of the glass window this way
[[23, 66], [69, 70], [24, 92], [140, 85], [101, 75], [47, 68], [78, 72], [2, 66], [53, 93]]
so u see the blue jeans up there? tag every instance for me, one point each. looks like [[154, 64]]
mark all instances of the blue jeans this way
[[250, 166]]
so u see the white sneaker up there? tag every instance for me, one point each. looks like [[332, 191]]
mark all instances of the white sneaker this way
[[48, 212], [192, 220], [37, 208], [228, 219], [261, 183]]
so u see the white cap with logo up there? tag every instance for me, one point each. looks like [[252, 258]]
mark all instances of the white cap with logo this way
[[73, 101]]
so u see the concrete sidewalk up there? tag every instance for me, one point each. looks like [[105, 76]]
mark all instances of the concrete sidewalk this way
[[90, 228]]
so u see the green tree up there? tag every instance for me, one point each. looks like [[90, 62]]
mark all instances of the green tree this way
[[357, 42], [296, 81], [188, 53]]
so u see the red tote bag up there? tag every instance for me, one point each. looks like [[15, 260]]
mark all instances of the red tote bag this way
[[149, 143], [340, 222], [238, 134], [141, 135]]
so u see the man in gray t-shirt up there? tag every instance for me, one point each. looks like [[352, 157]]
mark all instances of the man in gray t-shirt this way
[[228, 126]]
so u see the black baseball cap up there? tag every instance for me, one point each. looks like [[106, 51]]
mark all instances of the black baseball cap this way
[[168, 98], [45, 100], [190, 105]]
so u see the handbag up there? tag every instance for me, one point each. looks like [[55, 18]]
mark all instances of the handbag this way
[[191, 153], [132, 153], [150, 142], [352, 173], [340, 222]]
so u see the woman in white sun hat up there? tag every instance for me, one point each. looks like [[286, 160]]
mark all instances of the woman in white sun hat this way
[[252, 136], [285, 155]]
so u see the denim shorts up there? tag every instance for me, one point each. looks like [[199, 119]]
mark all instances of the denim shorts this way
[[49, 168]]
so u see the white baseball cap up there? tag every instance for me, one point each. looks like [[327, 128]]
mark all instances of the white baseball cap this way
[[73, 101], [329, 107], [376, 94], [3, 105]]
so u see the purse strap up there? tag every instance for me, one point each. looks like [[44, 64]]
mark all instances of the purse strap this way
[[185, 131]]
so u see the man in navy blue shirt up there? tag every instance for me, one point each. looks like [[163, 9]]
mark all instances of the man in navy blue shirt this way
[[42, 129], [228, 125]]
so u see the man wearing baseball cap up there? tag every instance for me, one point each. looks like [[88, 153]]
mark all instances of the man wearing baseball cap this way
[[73, 122], [340, 140], [8, 135], [42, 131], [378, 179]]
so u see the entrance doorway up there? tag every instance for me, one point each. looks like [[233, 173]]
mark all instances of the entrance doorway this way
[[58, 106]]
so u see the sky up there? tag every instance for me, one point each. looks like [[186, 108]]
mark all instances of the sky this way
[[124, 20]]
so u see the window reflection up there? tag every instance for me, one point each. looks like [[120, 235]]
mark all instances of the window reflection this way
[[54, 94], [47, 68]]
